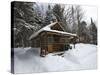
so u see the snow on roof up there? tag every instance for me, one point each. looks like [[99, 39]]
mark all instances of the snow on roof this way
[[48, 28]]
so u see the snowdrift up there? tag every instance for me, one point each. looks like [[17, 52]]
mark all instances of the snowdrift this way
[[27, 60]]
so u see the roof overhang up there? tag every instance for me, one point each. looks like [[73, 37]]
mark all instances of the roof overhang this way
[[48, 29]]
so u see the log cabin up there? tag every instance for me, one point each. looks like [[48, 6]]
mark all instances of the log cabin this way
[[51, 38]]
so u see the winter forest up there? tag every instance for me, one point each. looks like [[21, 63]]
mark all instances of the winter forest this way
[[69, 41], [29, 17]]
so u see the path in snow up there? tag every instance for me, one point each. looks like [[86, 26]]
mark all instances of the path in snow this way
[[27, 60]]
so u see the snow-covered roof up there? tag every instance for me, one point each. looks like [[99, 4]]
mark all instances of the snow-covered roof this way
[[48, 28]]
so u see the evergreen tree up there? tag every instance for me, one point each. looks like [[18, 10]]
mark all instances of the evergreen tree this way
[[58, 11], [49, 16], [93, 32], [39, 17], [79, 16], [74, 24], [24, 22], [84, 33], [71, 19]]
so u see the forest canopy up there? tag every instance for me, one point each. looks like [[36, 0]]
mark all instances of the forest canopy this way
[[29, 17]]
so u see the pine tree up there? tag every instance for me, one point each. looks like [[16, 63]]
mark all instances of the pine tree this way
[[49, 16], [79, 16], [24, 19], [58, 11], [84, 33], [74, 24], [39, 17], [93, 32]]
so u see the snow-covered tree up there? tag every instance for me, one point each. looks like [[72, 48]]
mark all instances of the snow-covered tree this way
[[70, 14], [49, 16], [39, 17], [79, 17], [58, 11], [93, 32], [26, 21]]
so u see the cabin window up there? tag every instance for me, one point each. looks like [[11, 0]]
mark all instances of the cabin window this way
[[56, 39], [50, 39], [53, 39]]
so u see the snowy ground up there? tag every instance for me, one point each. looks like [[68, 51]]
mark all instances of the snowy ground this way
[[27, 60]]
